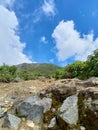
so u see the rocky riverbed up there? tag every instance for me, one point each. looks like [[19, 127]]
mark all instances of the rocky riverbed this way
[[46, 104]]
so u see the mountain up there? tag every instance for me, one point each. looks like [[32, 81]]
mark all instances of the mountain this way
[[43, 69]]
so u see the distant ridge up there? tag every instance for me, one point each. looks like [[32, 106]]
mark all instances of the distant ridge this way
[[44, 69]]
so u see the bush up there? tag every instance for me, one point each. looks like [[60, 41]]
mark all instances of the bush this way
[[7, 73]]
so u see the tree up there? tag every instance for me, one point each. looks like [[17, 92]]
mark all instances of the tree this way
[[75, 69], [92, 64]]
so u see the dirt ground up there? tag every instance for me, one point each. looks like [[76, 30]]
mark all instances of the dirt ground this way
[[23, 89]]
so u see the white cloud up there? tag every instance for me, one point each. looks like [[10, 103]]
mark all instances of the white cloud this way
[[7, 3], [11, 48], [49, 7], [43, 39], [37, 14], [69, 43]]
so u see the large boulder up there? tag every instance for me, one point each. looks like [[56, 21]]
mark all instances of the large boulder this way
[[32, 112], [33, 109], [68, 112], [25, 108]]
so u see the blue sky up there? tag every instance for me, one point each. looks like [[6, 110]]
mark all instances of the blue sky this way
[[47, 31]]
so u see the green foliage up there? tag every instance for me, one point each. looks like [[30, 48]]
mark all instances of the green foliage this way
[[46, 70], [71, 71], [25, 75], [81, 70], [7, 73], [59, 74], [75, 69], [78, 69], [28, 75], [92, 64], [26, 71]]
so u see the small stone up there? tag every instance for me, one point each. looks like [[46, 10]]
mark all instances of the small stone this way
[[4, 109], [1, 112], [30, 123], [53, 110], [23, 119], [82, 128], [6, 101], [52, 123], [11, 121]]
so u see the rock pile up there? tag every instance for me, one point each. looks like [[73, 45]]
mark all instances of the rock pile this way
[[68, 104]]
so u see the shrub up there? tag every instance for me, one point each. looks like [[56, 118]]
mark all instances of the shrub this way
[[7, 73]]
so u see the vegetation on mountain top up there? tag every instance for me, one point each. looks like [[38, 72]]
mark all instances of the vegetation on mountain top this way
[[45, 70], [78, 69], [26, 71]]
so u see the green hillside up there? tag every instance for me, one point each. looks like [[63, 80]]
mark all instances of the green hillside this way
[[26, 71], [77, 69], [41, 69]]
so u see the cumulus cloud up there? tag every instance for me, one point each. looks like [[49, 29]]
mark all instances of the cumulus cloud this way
[[11, 48], [69, 43]]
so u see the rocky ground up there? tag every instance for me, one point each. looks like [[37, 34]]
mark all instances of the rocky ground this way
[[23, 89], [46, 104]]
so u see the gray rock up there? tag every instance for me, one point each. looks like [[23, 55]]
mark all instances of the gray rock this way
[[23, 109], [1, 112], [32, 112], [53, 110], [11, 121], [33, 100], [53, 123], [69, 110], [45, 102], [88, 102], [34, 108], [36, 114], [95, 102]]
